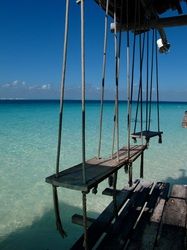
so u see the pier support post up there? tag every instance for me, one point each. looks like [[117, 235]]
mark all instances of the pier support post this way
[[84, 205], [130, 174], [142, 165]]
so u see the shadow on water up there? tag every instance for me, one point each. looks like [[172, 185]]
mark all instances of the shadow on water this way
[[182, 179], [42, 234]]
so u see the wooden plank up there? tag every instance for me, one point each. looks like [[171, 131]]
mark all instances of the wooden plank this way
[[175, 212], [96, 170], [160, 23], [173, 232], [119, 233], [145, 233], [146, 134], [102, 223], [179, 191], [174, 225], [110, 191], [78, 219]]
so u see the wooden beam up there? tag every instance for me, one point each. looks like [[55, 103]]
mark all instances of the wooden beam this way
[[78, 219], [179, 191], [110, 191], [160, 23], [119, 233], [143, 238], [103, 222]]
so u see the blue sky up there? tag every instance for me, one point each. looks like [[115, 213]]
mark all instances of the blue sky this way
[[31, 53]]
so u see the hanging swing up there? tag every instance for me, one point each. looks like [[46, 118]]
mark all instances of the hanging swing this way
[[146, 132], [87, 175]]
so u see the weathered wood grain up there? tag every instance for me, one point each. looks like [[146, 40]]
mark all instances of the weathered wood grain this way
[[96, 170]]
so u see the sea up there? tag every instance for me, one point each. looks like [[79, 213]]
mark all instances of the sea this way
[[28, 146]]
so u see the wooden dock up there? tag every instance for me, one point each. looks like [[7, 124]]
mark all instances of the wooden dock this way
[[149, 216]]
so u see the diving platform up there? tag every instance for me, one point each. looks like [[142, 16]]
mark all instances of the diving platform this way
[[96, 170], [147, 134]]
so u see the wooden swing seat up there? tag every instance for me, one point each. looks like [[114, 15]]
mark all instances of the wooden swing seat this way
[[96, 170], [147, 134]]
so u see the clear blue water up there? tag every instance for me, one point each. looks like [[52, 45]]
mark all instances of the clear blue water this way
[[28, 141]]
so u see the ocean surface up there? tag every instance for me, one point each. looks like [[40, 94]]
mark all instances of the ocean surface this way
[[28, 142]]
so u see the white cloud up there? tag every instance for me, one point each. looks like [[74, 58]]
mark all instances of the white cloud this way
[[22, 90], [23, 85], [15, 83], [46, 86]]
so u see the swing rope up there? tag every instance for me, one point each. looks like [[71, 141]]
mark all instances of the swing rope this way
[[83, 92], [141, 84], [117, 60], [103, 77], [133, 63], [151, 79], [157, 91], [55, 192], [113, 179], [147, 82], [84, 205], [128, 84], [129, 90], [62, 88], [140, 98]]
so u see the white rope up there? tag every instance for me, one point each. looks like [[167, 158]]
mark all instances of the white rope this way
[[84, 206], [128, 87], [62, 87], [83, 92], [103, 77], [116, 116], [55, 192]]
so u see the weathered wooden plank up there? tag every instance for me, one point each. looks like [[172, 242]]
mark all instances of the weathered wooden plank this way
[[179, 191], [175, 212], [78, 219], [174, 225], [144, 235], [160, 23], [119, 233], [147, 134], [102, 223], [96, 170], [110, 191], [172, 237], [174, 221]]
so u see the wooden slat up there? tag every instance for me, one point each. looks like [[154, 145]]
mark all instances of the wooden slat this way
[[110, 191], [102, 223], [175, 213], [146, 134], [78, 219], [118, 235], [144, 235], [160, 23], [174, 222], [96, 170], [179, 191]]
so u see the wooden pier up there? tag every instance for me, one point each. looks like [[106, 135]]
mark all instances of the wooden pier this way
[[149, 216]]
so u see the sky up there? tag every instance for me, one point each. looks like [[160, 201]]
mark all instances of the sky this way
[[31, 48]]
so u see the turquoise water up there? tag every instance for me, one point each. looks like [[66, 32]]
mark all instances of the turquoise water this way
[[28, 141]]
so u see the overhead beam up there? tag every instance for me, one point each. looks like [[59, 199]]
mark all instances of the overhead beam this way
[[159, 23]]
